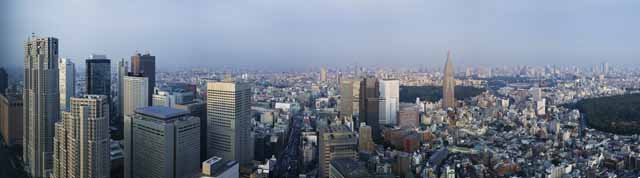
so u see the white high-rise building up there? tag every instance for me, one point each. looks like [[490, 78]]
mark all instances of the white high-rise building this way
[[164, 142], [389, 101], [82, 140], [229, 121], [134, 95], [41, 100], [67, 82]]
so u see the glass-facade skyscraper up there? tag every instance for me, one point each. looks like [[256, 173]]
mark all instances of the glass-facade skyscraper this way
[[98, 75]]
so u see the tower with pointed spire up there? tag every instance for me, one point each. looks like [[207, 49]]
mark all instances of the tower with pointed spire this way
[[448, 84]]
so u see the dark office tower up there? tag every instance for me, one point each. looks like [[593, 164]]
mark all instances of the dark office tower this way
[[98, 75], [41, 104], [4, 81], [369, 105], [145, 66], [448, 85]]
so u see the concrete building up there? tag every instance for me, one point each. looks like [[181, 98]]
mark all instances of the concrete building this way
[[135, 93], [198, 109], [41, 100], [67, 82], [170, 96], [448, 85], [348, 168], [11, 118], [229, 121], [82, 140], [389, 101], [145, 65], [163, 142], [98, 75], [350, 98], [336, 142], [409, 115], [365, 142], [216, 167]]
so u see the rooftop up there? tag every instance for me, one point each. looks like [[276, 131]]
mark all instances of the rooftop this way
[[161, 112], [217, 166], [350, 168]]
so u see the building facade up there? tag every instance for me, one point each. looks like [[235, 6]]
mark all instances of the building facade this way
[[11, 118], [336, 142], [229, 121], [389, 101], [67, 82], [145, 65], [82, 140], [350, 97], [163, 142], [135, 93], [41, 100], [98, 75], [370, 105]]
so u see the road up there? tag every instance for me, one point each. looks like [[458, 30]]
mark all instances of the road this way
[[288, 161]]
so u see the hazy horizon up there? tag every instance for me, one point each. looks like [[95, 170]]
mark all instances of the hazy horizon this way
[[302, 34]]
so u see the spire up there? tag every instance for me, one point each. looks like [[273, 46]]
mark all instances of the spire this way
[[448, 84]]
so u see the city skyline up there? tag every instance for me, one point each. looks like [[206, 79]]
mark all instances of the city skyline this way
[[298, 35], [319, 89]]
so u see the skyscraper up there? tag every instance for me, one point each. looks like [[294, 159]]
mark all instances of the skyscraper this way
[[122, 72], [350, 96], [448, 85], [370, 106], [4, 80], [41, 103], [365, 142], [323, 74], [163, 142], [336, 142], [81, 143], [135, 93], [98, 75], [145, 65], [198, 109], [389, 101], [229, 121], [67, 82]]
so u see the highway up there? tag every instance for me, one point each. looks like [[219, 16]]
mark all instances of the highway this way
[[288, 161]]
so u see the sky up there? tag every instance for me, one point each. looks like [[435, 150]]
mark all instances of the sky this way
[[285, 34]]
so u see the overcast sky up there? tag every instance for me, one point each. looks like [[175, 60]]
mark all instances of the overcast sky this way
[[307, 33]]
